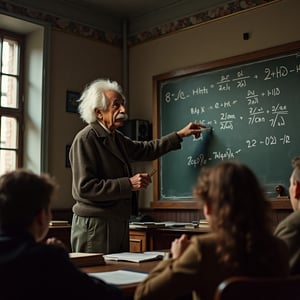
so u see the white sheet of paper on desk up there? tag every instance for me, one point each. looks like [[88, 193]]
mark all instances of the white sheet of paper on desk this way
[[176, 224], [120, 277], [135, 257]]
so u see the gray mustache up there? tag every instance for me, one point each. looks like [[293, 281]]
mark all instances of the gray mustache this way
[[122, 116]]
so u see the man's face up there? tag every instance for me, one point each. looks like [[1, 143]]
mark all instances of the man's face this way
[[115, 113]]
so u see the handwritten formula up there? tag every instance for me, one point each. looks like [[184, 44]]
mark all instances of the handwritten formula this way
[[253, 111]]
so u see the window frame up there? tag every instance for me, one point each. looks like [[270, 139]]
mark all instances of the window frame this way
[[17, 113]]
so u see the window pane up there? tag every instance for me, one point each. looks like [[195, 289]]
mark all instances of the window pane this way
[[9, 92], [9, 133], [11, 113], [10, 57], [8, 160]]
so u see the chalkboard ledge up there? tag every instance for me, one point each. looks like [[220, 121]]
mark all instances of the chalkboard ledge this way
[[281, 203], [176, 204], [278, 203]]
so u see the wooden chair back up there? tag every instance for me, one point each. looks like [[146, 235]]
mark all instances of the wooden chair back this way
[[246, 288]]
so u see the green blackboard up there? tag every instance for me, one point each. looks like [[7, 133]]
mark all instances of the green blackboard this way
[[252, 104]]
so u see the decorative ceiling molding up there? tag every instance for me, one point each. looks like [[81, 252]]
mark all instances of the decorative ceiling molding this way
[[201, 18], [113, 38], [61, 24]]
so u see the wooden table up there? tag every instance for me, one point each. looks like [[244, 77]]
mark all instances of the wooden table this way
[[128, 289], [141, 239], [152, 239]]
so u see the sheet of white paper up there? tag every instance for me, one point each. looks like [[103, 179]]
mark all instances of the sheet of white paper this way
[[176, 224], [120, 277], [135, 257]]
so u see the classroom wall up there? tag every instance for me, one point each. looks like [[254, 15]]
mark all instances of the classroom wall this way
[[75, 61], [33, 99], [271, 25]]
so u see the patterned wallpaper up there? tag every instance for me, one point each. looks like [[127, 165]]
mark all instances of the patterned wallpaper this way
[[197, 19], [68, 26]]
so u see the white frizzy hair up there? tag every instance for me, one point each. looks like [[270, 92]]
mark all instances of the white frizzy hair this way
[[93, 97]]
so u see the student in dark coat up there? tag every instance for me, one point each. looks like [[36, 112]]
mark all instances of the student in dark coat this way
[[29, 268]]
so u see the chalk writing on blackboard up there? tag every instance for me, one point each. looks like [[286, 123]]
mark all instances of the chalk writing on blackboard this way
[[253, 111]]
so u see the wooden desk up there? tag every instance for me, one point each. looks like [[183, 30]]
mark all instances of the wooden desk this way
[[141, 239], [153, 239], [129, 289]]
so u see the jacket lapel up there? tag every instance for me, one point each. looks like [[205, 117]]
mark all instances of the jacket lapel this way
[[108, 141]]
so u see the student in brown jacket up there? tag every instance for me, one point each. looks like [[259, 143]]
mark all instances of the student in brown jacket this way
[[103, 182], [240, 242], [289, 228]]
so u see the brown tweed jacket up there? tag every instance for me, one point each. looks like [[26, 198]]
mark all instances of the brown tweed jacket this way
[[100, 165]]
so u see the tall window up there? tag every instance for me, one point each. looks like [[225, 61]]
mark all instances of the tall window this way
[[11, 104]]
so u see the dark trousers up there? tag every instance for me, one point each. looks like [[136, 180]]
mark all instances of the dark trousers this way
[[96, 234]]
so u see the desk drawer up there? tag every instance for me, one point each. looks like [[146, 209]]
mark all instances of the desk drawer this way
[[138, 241]]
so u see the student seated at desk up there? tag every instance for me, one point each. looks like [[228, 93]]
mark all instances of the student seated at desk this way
[[241, 241], [289, 228], [30, 269]]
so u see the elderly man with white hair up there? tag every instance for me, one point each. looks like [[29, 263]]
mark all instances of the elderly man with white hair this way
[[103, 184]]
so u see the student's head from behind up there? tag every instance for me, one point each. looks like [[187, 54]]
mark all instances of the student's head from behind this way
[[234, 204], [25, 203], [294, 189]]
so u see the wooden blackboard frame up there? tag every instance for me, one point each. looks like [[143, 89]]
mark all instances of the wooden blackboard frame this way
[[202, 68]]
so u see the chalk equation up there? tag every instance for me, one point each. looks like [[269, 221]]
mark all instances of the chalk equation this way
[[252, 110], [227, 82]]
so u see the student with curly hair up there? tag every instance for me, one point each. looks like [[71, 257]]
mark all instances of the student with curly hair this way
[[240, 241]]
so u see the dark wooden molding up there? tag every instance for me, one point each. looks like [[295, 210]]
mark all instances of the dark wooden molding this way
[[276, 203], [281, 203]]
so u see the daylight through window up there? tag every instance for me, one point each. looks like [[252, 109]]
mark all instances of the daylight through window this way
[[11, 106]]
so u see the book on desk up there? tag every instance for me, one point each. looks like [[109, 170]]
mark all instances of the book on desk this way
[[197, 224], [133, 225], [81, 259], [58, 223], [169, 224]]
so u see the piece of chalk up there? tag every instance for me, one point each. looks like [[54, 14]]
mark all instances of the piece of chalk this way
[[207, 128], [152, 172]]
